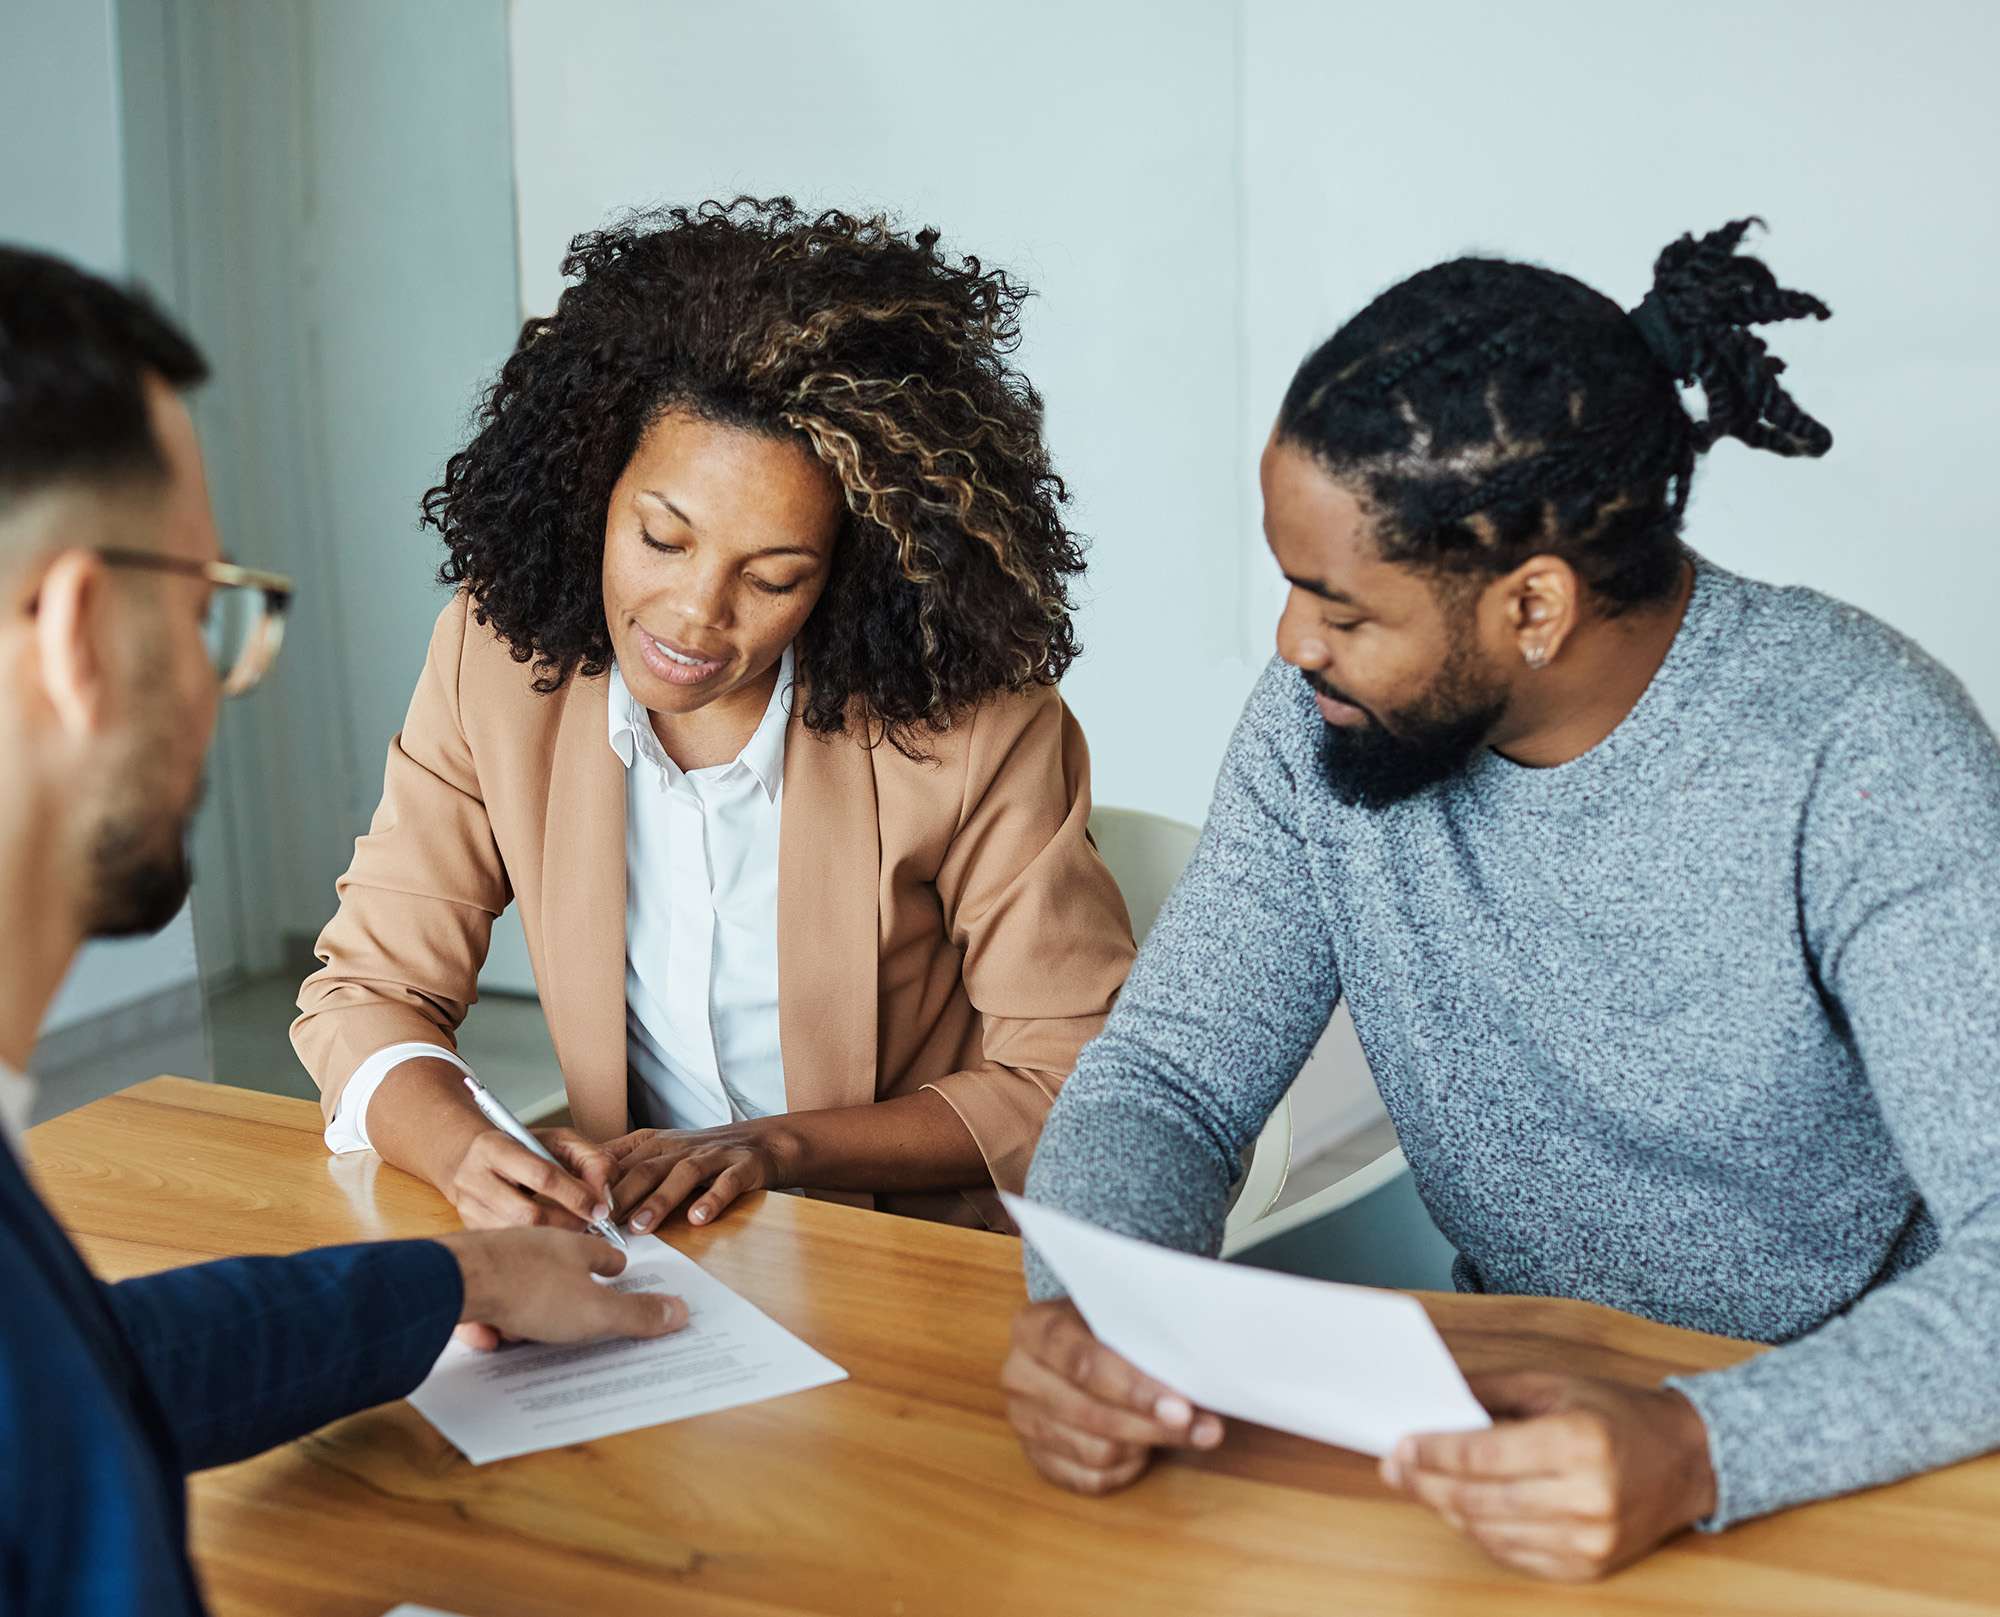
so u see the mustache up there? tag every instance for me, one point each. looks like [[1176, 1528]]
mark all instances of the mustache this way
[[1333, 693]]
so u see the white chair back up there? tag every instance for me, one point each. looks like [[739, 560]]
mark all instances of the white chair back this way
[[1146, 854]]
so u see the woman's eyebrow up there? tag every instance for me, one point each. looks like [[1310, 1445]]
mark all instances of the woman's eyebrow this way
[[661, 499], [658, 498]]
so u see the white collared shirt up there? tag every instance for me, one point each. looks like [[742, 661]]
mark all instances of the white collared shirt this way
[[17, 1105], [701, 932]]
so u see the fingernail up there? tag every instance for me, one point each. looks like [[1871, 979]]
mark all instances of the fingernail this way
[[698, 1216], [600, 1211], [642, 1222], [1174, 1411], [1208, 1434], [1392, 1473]]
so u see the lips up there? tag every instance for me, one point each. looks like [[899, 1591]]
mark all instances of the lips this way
[[678, 664], [1339, 713], [1334, 710]]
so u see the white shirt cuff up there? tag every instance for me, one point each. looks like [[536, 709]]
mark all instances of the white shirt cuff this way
[[349, 1129]]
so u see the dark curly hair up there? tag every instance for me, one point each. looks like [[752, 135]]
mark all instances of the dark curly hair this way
[[1487, 411], [881, 355]]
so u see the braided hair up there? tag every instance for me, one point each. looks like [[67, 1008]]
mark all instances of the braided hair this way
[[1488, 411]]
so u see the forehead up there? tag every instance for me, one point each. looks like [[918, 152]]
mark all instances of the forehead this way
[[1319, 529], [734, 483]]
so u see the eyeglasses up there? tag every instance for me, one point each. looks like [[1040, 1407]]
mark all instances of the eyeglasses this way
[[245, 622]]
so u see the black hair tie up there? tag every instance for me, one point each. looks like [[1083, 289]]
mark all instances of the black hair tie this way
[[1662, 335]]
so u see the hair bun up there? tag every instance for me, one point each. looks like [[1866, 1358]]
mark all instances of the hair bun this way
[[1696, 322]]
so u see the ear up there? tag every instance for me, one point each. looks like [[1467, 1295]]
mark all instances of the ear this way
[[69, 606], [1544, 603]]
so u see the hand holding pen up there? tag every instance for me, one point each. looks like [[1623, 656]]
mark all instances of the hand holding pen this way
[[504, 1172]]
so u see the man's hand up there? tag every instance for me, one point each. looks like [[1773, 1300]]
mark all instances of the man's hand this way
[[1088, 1420], [655, 1170], [1578, 1478], [499, 1184], [536, 1285]]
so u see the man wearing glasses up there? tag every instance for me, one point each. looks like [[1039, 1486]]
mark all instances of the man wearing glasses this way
[[121, 628]]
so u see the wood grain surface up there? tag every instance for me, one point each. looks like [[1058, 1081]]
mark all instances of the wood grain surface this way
[[901, 1490]]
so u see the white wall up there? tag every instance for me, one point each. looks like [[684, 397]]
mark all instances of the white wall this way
[[1201, 192], [59, 71], [1091, 149], [1587, 135], [341, 234]]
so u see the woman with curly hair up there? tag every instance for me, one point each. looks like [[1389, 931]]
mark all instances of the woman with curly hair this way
[[747, 698]]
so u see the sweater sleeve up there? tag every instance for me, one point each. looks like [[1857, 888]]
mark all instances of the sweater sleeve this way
[[1230, 993], [1899, 873]]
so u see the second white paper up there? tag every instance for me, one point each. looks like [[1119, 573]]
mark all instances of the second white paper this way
[[530, 1396], [1344, 1364]]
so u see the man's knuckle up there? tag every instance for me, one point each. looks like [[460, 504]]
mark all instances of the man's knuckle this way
[[1597, 1441], [1099, 1453], [1078, 1359], [1596, 1543]]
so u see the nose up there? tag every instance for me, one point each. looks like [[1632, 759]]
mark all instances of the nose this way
[[702, 597], [1300, 641]]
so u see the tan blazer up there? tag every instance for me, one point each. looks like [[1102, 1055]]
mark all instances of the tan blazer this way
[[944, 925]]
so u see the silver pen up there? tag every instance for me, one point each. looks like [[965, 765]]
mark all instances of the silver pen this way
[[508, 1124]]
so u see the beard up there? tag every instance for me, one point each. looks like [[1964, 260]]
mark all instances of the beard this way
[[1420, 745], [140, 875], [139, 872]]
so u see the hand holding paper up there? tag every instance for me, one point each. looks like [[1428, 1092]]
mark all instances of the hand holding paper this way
[[1344, 1364]]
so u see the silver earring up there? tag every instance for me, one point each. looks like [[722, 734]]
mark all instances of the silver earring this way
[[1536, 656]]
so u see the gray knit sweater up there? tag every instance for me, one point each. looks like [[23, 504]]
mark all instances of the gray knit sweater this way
[[1704, 1025]]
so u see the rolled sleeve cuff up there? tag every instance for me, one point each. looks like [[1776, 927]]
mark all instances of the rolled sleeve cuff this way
[[1003, 1110], [348, 1132]]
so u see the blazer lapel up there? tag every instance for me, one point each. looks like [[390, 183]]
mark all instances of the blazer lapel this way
[[583, 909], [829, 879]]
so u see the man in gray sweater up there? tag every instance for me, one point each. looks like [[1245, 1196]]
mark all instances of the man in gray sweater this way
[[1667, 905]]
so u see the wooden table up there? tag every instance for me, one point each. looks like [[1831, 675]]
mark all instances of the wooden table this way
[[899, 1491]]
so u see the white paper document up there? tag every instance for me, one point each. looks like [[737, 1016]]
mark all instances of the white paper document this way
[[1344, 1364], [492, 1406]]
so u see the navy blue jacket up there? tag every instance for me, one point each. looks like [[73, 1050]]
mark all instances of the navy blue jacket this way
[[110, 1394]]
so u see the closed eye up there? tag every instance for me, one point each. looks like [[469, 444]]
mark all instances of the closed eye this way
[[660, 545], [771, 589]]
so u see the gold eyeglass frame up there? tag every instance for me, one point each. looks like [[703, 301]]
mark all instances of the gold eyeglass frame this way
[[260, 650]]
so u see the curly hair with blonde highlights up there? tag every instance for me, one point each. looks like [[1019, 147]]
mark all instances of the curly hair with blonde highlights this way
[[887, 359]]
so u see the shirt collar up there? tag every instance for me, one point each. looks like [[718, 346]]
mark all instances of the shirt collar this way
[[631, 731], [17, 1103]]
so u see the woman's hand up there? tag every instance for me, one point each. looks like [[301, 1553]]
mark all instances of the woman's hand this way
[[500, 1184], [658, 1169]]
